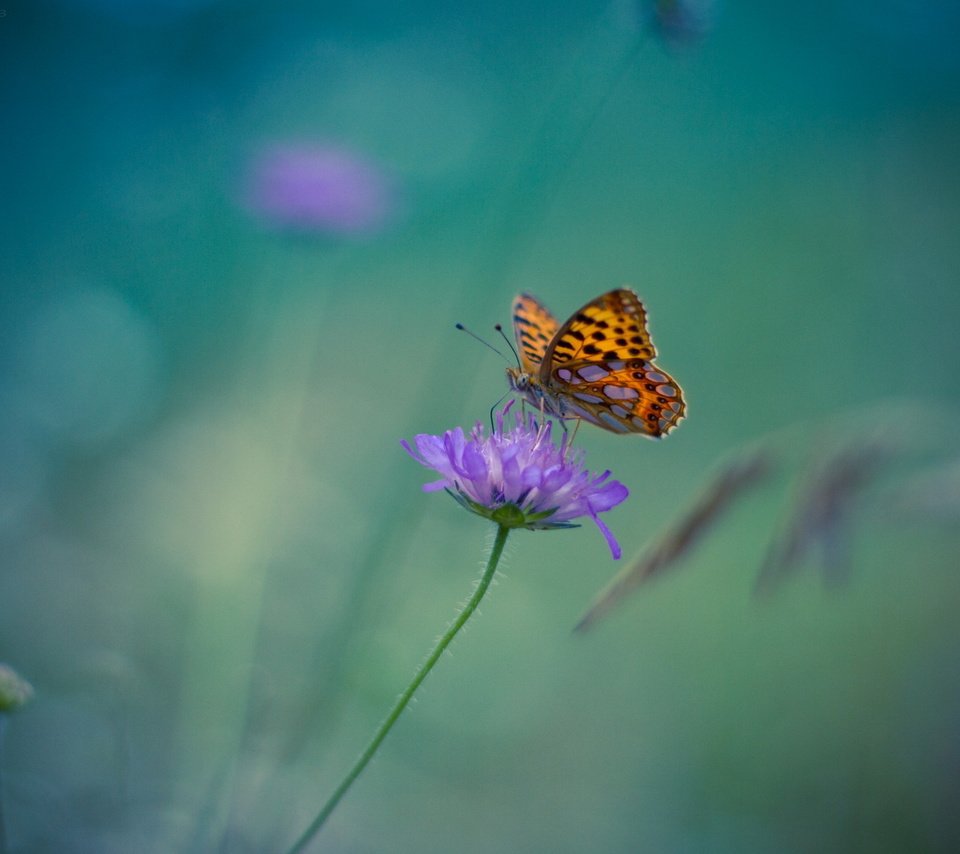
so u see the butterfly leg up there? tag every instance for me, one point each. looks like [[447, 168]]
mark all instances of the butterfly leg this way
[[567, 437]]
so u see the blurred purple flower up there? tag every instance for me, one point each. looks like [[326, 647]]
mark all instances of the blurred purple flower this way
[[318, 188], [518, 478]]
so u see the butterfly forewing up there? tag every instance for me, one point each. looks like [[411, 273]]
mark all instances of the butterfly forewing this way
[[534, 327], [612, 326]]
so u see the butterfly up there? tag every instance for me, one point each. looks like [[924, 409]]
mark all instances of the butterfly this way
[[597, 367]]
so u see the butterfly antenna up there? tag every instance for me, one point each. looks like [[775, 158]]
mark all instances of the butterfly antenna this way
[[503, 335], [493, 409], [487, 344]]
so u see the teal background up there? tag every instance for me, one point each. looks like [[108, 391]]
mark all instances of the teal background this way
[[218, 569]]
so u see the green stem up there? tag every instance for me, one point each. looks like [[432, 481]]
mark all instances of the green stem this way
[[405, 697]]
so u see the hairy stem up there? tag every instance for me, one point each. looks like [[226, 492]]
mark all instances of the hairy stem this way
[[408, 693]]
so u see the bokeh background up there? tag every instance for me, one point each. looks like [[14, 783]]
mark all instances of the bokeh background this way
[[235, 240]]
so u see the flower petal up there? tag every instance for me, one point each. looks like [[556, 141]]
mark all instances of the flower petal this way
[[608, 497], [531, 476], [454, 452], [432, 450], [474, 464], [555, 477], [513, 482], [611, 540]]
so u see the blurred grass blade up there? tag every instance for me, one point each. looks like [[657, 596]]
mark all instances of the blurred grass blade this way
[[730, 482], [821, 517]]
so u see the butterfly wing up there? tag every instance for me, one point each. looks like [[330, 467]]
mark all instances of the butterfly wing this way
[[534, 327], [600, 366], [612, 326], [620, 395]]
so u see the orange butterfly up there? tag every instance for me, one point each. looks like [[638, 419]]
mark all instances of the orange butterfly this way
[[597, 366]]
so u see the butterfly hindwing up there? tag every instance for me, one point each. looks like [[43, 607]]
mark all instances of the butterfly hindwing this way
[[534, 327], [623, 396]]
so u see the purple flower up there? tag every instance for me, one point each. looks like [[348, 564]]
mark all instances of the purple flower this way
[[518, 477], [318, 189]]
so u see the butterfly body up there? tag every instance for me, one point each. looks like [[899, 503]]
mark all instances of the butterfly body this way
[[529, 386], [598, 366]]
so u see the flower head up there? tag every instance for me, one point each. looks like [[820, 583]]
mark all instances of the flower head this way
[[518, 477]]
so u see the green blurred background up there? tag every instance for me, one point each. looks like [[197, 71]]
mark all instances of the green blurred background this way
[[218, 568]]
